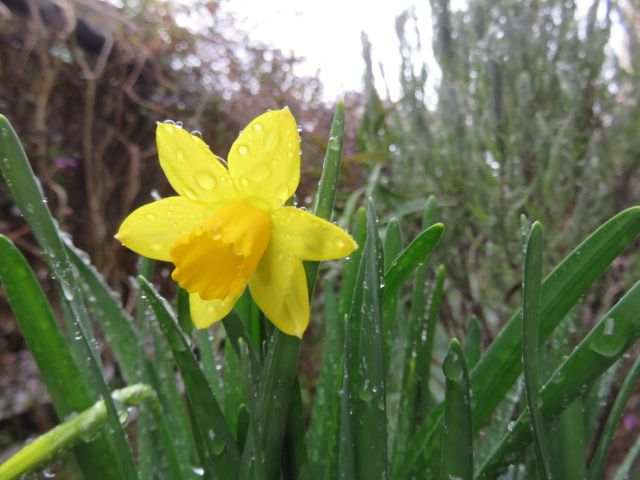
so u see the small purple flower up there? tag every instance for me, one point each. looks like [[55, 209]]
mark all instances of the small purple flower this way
[[65, 162], [630, 421]]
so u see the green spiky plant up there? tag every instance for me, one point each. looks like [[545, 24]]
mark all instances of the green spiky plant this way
[[377, 411]]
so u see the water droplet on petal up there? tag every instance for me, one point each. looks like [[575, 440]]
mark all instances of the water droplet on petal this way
[[156, 247], [282, 193], [258, 127], [260, 173], [243, 150], [205, 180], [244, 182], [150, 216], [189, 193]]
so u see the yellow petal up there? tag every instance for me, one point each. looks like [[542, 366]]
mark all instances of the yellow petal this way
[[279, 287], [216, 259], [206, 312], [192, 170], [152, 229], [265, 159], [309, 237]]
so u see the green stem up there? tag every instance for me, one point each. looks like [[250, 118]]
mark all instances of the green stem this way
[[84, 425], [275, 397]]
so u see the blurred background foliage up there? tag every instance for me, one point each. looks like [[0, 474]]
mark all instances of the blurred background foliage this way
[[534, 112], [530, 110]]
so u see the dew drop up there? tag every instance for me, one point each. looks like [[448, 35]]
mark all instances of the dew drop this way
[[150, 216], [244, 182], [180, 155], [243, 150], [271, 141], [610, 338], [260, 173], [282, 192], [452, 367], [198, 471], [205, 180], [609, 326], [189, 193], [258, 127], [66, 291]]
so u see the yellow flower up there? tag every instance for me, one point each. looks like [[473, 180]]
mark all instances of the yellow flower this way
[[228, 228]]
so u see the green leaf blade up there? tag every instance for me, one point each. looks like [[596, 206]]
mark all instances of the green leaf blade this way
[[600, 349], [211, 424], [531, 298], [560, 292], [457, 443], [410, 258]]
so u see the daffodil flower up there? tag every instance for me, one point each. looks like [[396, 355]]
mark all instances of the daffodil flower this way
[[228, 228]]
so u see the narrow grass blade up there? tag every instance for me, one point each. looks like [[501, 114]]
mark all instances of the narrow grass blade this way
[[275, 396], [392, 242], [84, 425], [567, 444], [616, 332], [417, 365], [256, 462], [236, 331], [123, 336], [234, 384], [596, 400], [47, 345], [473, 343], [531, 284], [457, 444], [353, 263], [415, 334], [368, 376], [295, 463], [41, 331], [346, 442], [392, 247], [184, 317], [208, 343], [424, 350], [493, 433], [211, 423], [409, 259], [327, 186], [324, 414], [29, 197], [596, 468]]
